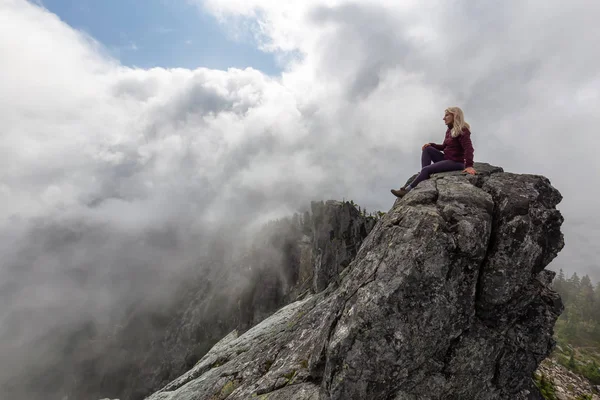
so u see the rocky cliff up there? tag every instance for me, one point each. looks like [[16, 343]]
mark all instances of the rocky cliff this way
[[447, 298], [155, 345]]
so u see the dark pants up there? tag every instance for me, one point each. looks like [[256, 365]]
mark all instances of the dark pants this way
[[431, 155]]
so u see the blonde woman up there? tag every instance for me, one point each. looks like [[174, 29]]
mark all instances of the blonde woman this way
[[455, 153]]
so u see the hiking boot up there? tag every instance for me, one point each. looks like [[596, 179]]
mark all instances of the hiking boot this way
[[400, 192]]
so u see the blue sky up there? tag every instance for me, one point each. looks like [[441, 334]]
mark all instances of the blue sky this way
[[164, 33]]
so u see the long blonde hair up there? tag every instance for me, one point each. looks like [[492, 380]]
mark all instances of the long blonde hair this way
[[459, 121]]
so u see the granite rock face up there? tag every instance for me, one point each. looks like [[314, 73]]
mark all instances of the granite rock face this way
[[339, 230], [447, 298]]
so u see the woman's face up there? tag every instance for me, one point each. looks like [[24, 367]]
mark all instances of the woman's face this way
[[448, 118]]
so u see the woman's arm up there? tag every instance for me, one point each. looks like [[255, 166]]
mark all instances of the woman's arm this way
[[438, 146], [467, 145]]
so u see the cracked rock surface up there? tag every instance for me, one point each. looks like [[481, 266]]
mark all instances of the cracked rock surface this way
[[447, 298]]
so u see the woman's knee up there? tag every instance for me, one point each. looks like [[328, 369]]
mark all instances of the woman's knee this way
[[426, 171]]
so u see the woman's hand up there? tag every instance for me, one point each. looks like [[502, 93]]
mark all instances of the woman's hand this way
[[470, 170], [425, 145]]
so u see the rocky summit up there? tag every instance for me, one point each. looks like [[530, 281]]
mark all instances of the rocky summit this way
[[446, 298]]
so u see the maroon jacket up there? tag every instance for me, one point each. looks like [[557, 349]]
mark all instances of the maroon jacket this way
[[458, 149]]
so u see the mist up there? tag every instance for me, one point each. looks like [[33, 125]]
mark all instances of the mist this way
[[120, 184]]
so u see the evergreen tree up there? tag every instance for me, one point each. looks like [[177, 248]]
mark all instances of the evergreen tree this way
[[307, 223], [570, 289], [578, 328], [585, 298], [574, 283], [596, 312], [296, 220], [559, 283]]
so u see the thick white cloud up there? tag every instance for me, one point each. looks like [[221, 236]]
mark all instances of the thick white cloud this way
[[383, 71], [107, 169]]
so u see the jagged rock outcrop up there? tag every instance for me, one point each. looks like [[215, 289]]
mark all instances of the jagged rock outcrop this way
[[447, 298], [339, 230]]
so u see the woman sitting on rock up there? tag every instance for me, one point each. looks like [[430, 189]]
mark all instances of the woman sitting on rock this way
[[457, 151]]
